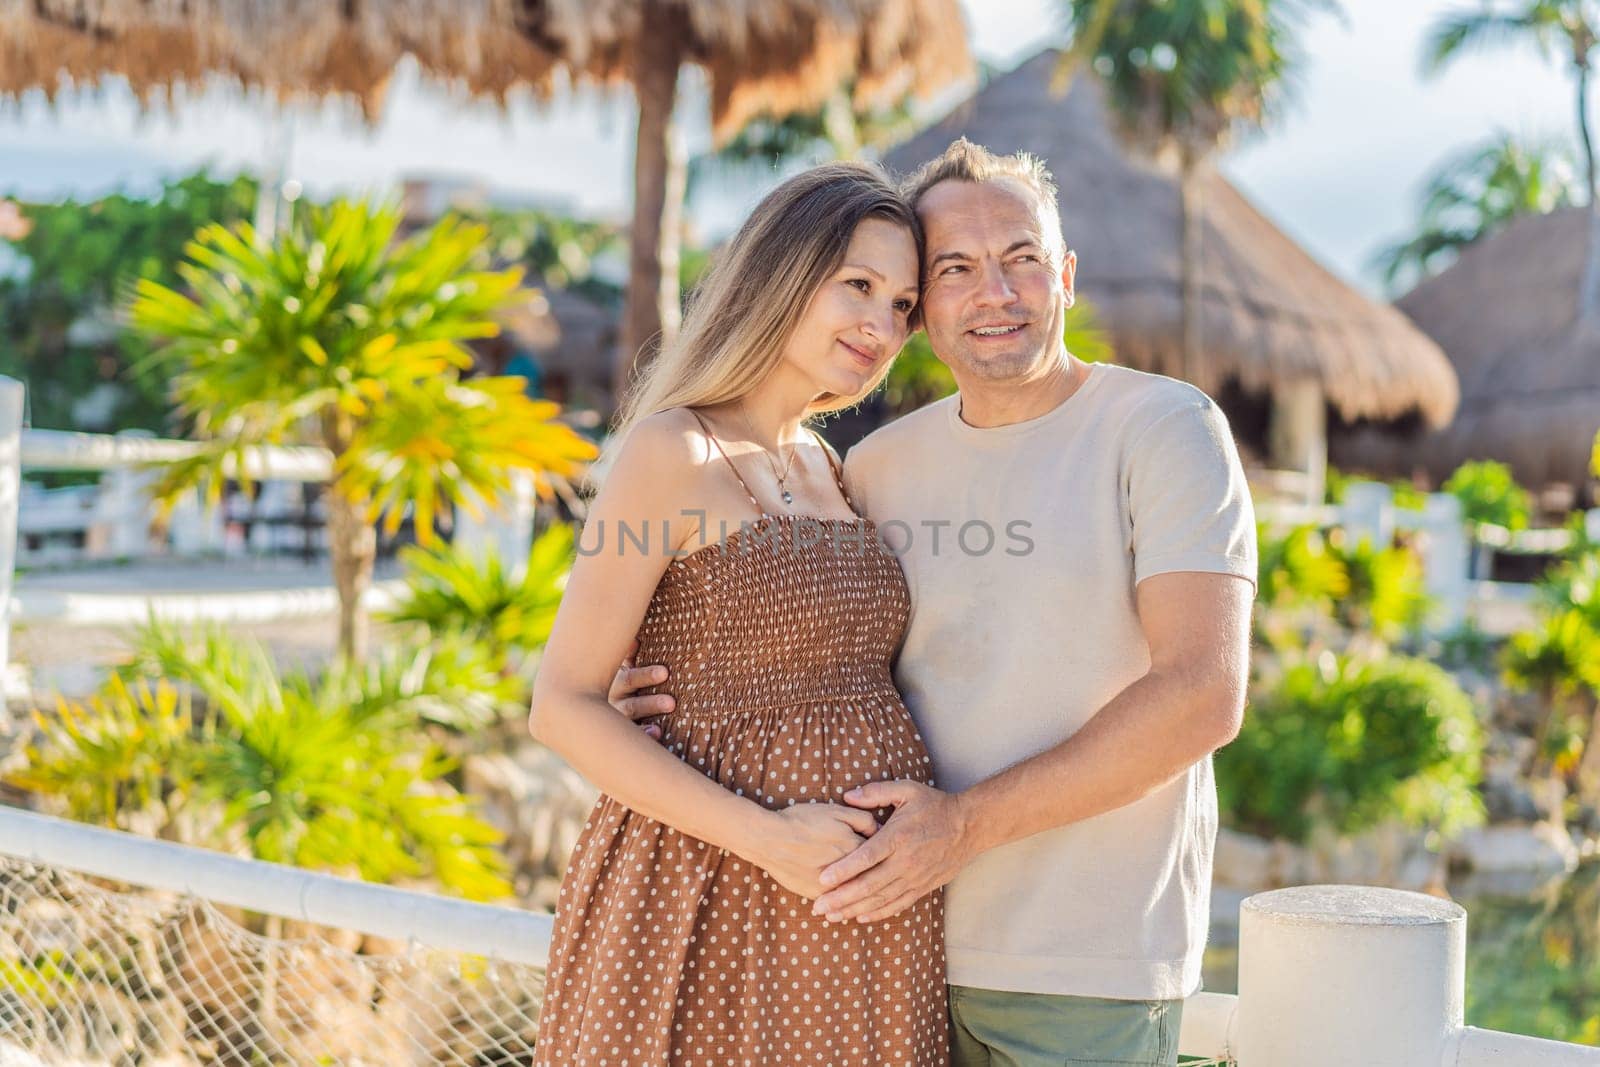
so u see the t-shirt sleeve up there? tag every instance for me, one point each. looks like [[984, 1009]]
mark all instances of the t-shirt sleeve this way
[[1187, 496]]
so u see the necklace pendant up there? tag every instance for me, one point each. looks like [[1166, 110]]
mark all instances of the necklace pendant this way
[[788, 497]]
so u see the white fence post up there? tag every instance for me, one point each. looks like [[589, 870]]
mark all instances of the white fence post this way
[[506, 528], [1335, 975], [122, 510], [195, 528], [10, 492], [1368, 513], [1447, 558], [1591, 524]]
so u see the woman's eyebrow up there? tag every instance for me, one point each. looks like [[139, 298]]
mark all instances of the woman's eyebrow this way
[[865, 270]]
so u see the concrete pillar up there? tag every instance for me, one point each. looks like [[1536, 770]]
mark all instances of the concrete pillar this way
[[1335, 975], [10, 493], [1368, 513], [1297, 434], [1447, 557]]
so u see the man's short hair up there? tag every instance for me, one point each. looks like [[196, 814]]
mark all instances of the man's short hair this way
[[964, 161]]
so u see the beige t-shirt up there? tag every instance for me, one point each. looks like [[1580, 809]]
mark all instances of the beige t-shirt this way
[[1022, 545]]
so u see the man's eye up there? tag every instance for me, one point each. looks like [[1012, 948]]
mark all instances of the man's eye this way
[[952, 268]]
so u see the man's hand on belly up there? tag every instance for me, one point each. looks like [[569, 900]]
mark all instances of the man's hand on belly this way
[[924, 844], [627, 682]]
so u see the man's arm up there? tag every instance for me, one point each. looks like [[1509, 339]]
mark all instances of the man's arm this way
[[1188, 704]]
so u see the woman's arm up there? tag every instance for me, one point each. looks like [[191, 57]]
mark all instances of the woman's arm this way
[[655, 478]]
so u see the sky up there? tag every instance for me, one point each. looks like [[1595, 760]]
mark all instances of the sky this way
[[1340, 172]]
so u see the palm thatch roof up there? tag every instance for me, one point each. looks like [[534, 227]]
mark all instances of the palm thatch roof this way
[[761, 55], [1270, 314], [1506, 312]]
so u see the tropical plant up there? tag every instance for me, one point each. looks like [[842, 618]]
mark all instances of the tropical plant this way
[[1489, 494], [1348, 745], [1559, 659], [918, 377], [115, 761], [1566, 29], [335, 774], [61, 332], [1474, 193], [456, 590], [1387, 592], [1183, 77], [339, 335]]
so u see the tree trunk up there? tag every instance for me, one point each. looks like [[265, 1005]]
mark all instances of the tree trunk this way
[[353, 546], [1192, 221], [660, 173], [1589, 762], [1589, 294]]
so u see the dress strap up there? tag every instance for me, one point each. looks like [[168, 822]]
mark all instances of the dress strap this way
[[743, 484], [838, 470]]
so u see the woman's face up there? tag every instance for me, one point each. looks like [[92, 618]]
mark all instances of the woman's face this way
[[859, 316]]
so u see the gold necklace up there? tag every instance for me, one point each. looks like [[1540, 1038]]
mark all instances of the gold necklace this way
[[788, 497]]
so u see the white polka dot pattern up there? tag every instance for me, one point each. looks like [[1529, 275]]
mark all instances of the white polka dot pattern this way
[[669, 951]]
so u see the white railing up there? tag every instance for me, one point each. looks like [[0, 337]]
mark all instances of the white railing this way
[[112, 521], [1328, 975]]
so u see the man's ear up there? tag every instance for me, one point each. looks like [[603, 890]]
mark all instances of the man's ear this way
[[1069, 274]]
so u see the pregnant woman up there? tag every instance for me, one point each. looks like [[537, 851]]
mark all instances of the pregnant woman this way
[[723, 541]]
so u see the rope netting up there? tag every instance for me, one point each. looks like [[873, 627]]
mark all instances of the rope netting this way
[[97, 974], [100, 974]]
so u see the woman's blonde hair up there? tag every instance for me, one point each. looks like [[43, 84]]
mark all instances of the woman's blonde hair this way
[[749, 302]]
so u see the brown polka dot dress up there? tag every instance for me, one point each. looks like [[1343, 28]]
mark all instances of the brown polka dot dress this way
[[669, 951]]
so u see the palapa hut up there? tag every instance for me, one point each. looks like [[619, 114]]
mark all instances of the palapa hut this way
[[1283, 339], [761, 57], [1506, 314]]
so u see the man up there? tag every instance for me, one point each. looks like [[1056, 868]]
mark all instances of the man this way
[[1079, 544]]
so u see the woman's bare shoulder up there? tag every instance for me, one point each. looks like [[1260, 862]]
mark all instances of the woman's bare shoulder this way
[[664, 452]]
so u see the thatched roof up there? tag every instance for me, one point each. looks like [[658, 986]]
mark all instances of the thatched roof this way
[[1506, 313], [761, 55], [1270, 313]]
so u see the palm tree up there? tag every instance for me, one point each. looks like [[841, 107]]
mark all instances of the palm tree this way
[[338, 335], [1473, 194], [1554, 27], [1183, 77]]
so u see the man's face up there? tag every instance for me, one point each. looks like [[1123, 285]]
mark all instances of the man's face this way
[[997, 285]]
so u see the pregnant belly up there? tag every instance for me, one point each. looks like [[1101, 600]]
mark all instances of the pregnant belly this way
[[817, 750]]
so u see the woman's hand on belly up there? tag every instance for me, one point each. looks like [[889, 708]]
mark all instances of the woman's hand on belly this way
[[805, 838]]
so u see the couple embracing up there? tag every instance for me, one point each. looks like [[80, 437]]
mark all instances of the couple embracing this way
[[925, 772]]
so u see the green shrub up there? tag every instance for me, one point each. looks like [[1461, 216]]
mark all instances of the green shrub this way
[[1349, 745], [1489, 494]]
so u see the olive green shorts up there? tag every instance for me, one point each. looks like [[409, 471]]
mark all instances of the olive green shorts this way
[[991, 1028]]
